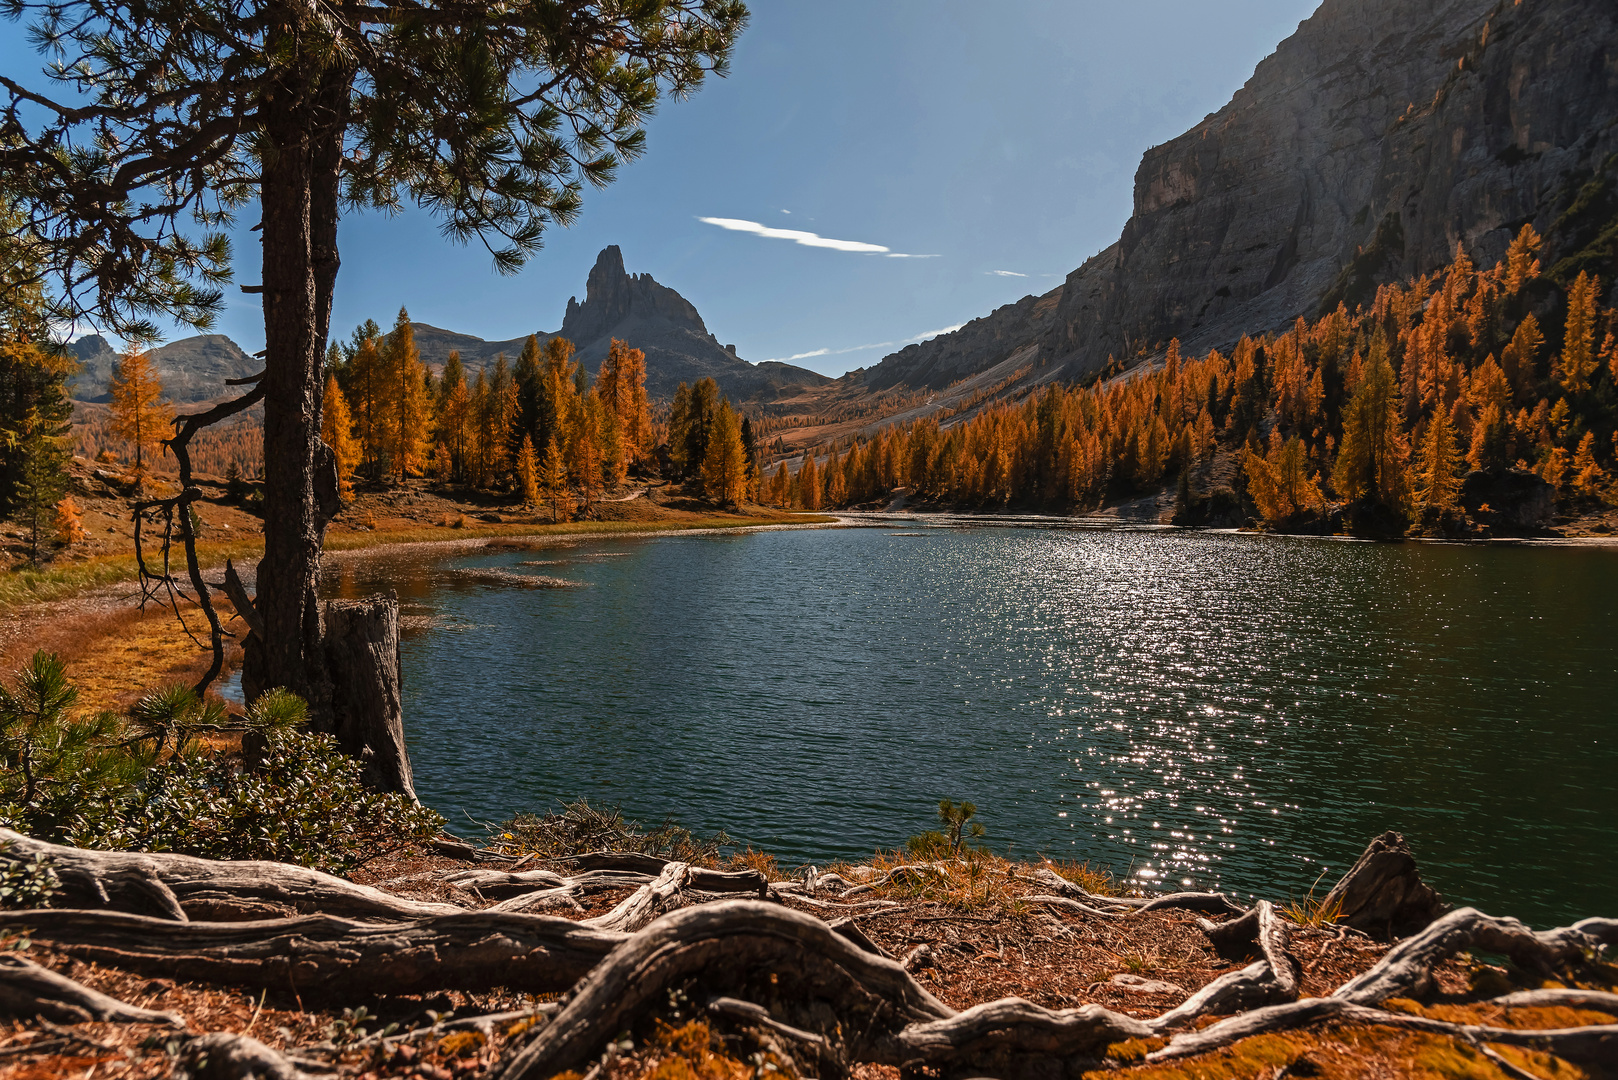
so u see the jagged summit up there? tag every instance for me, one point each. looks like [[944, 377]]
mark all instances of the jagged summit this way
[[648, 316]]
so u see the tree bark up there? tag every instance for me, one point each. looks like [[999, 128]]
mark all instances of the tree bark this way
[[28, 990], [367, 713], [305, 114], [1383, 894], [327, 958], [181, 886]]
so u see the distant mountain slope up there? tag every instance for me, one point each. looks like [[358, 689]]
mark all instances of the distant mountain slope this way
[[192, 369], [648, 316], [1369, 144]]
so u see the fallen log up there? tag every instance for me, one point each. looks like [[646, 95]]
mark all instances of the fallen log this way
[[29, 990], [181, 886], [326, 957], [1012, 1038]]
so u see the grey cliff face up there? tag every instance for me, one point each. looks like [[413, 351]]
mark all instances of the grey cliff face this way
[[1373, 141], [192, 369]]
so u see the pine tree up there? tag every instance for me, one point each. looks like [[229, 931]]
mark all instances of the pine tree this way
[[42, 479], [621, 383], [724, 464], [365, 400], [1578, 361], [1520, 359], [337, 432], [140, 415], [528, 473]]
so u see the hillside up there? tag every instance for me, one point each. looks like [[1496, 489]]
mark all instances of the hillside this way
[[1362, 151], [192, 369]]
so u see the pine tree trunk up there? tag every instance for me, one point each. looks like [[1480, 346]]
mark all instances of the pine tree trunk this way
[[304, 120]]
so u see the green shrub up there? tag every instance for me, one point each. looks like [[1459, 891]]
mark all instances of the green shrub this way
[[581, 828], [302, 802], [149, 785], [26, 883]]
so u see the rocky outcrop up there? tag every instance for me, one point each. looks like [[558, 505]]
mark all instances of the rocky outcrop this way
[[1371, 143], [648, 316], [192, 369]]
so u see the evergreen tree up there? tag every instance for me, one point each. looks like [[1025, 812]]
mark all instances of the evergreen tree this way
[[42, 478], [365, 399], [725, 470], [337, 431], [1588, 476], [679, 421], [140, 415]]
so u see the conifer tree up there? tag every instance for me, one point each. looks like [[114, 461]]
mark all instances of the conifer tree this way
[[725, 469], [365, 400], [1578, 361], [69, 523], [1437, 468], [42, 479], [808, 482], [405, 402], [528, 473], [1280, 484], [621, 383], [453, 410], [1370, 460], [140, 415], [337, 431], [553, 476], [1588, 476]]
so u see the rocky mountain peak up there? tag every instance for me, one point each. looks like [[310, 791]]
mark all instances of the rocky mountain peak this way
[[613, 297]]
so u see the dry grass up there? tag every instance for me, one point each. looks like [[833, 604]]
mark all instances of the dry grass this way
[[762, 861]]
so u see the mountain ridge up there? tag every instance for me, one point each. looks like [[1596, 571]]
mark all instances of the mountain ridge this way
[[1364, 149]]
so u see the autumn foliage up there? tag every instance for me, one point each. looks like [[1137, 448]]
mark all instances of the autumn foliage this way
[[1380, 411]]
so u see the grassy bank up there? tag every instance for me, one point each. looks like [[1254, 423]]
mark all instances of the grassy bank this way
[[65, 580]]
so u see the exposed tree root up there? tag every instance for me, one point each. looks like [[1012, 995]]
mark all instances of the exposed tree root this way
[[1271, 980], [181, 886], [27, 990], [1596, 1044], [845, 1002], [327, 957], [672, 886], [223, 1056]]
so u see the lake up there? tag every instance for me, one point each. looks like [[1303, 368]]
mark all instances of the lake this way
[[1193, 709]]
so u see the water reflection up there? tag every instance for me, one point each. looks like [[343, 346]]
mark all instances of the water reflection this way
[[1210, 709]]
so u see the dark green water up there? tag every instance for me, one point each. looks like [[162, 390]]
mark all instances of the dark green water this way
[[1231, 711]]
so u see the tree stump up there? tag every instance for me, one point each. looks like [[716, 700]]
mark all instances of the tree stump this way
[[362, 659], [1383, 894]]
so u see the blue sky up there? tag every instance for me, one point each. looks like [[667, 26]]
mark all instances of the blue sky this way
[[998, 139]]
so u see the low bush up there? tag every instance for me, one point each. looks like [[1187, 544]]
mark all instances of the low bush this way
[[579, 828], [149, 784]]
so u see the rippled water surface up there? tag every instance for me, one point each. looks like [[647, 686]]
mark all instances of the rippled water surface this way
[[1231, 711]]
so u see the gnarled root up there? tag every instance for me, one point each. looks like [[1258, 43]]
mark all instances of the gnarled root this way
[[841, 1002], [180, 886], [28, 990], [1271, 980], [328, 957]]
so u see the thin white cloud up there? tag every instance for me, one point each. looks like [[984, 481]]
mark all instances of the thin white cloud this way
[[786, 211], [1004, 273], [863, 348], [807, 239]]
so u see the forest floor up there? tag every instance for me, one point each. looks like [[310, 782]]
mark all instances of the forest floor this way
[[986, 941]]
